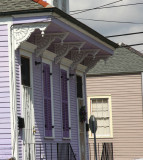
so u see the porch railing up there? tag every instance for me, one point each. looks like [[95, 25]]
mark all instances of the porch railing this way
[[51, 151], [65, 152], [104, 151]]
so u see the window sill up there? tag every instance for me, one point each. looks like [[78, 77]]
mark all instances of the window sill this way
[[49, 137], [66, 138], [110, 137]]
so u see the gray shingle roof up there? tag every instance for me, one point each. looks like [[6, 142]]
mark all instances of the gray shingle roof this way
[[17, 5], [123, 61]]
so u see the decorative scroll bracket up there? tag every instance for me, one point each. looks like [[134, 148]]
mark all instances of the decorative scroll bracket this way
[[63, 50], [23, 31], [44, 42], [77, 57]]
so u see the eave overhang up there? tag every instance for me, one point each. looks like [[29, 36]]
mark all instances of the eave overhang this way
[[72, 37]]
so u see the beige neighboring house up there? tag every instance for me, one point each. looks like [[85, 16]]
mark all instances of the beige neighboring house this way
[[115, 98]]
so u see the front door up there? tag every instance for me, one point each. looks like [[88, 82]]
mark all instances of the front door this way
[[29, 130], [27, 106]]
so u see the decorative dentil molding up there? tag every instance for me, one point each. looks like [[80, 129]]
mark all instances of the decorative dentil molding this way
[[77, 57], [44, 42], [63, 50], [22, 32]]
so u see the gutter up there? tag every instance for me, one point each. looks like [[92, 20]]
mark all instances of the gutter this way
[[63, 15]]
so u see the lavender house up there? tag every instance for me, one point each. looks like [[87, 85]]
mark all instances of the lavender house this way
[[44, 56]]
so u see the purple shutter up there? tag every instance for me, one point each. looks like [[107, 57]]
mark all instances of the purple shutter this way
[[65, 116], [47, 100]]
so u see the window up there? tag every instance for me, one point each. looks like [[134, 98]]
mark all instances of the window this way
[[100, 107], [79, 86], [25, 71]]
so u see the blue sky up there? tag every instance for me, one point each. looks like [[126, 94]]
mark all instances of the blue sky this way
[[130, 14]]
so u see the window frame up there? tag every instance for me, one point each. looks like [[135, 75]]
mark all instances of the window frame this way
[[89, 98], [27, 54], [49, 62], [26, 57]]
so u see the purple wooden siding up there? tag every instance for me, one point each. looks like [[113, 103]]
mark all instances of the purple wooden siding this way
[[5, 120], [39, 113], [47, 100], [65, 114]]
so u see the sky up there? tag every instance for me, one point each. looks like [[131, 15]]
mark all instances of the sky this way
[[132, 13]]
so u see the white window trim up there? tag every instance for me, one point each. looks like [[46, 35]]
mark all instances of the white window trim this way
[[49, 62], [69, 116], [29, 55], [110, 112], [81, 73]]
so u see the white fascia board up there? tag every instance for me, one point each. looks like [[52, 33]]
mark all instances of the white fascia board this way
[[49, 55], [66, 62], [81, 68], [28, 46], [12, 80]]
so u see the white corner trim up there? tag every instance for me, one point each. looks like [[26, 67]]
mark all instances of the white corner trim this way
[[28, 46]]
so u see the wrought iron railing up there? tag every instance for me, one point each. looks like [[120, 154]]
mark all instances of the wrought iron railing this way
[[51, 151], [65, 152], [104, 151]]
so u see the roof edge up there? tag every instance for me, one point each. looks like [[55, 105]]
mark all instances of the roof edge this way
[[112, 74], [67, 17]]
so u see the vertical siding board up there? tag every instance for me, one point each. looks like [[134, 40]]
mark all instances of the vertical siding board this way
[[5, 124], [125, 91]]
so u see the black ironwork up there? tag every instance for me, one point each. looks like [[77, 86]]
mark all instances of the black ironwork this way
[[50, 151], [104, 151], [65, 152]]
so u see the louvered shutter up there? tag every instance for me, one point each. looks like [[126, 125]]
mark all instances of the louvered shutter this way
[[47, 100], [65, 114]]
